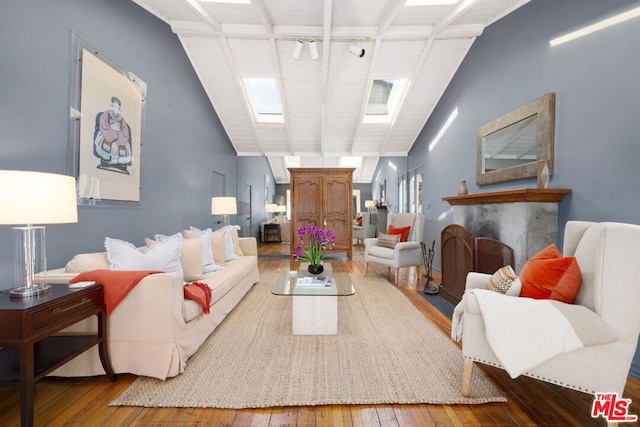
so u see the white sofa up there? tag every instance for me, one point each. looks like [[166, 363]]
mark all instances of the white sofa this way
[[153, 331]]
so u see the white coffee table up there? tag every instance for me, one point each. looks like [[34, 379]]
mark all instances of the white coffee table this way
[[315, 307]]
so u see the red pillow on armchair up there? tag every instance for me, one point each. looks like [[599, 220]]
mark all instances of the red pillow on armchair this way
[[402, 231], [547, 275]]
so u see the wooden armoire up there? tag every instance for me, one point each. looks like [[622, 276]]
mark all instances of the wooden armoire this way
[[323, 196]]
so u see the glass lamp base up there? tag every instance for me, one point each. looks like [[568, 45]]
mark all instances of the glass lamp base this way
[[30, 291]]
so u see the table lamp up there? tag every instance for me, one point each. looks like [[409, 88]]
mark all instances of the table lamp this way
[[34, 198], [370, 205], [224, 206], [271, 208], [281, 209]]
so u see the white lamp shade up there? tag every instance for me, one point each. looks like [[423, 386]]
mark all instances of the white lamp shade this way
[[369, 203], [223, 206], [37, 198], [271, 208], [281, 208]]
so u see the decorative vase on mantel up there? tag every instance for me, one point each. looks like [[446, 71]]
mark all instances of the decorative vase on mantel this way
[[315, 269], [462, 188]]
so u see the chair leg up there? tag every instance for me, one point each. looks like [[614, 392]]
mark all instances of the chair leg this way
[[396, 279], [466, 376]]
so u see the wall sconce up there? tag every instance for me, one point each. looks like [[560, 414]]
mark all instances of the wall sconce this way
[[224, 206], [34, 198], [356, 50]]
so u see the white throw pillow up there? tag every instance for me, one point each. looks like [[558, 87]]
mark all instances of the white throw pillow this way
[[208, 264], [229, 254], [163, 256]]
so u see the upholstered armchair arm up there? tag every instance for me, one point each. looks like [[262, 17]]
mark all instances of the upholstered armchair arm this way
[[371, 241], [407, 254], [477, 280], [408, 246]]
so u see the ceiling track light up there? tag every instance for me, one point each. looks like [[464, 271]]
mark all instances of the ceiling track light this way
[[299, 46], [313, 49], [356, 50], [297, 49]]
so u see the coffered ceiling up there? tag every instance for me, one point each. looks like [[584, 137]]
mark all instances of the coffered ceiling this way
[[321, 120]]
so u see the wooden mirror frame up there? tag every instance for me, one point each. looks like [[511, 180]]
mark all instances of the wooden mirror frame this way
[[544, 107]]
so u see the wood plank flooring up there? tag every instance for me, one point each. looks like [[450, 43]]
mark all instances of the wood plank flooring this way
[[84, 401]]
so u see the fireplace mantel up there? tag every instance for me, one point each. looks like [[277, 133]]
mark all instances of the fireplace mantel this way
[[525, 219], [535, 195]]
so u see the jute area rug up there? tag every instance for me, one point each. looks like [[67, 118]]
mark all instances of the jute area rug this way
[[385, 352]]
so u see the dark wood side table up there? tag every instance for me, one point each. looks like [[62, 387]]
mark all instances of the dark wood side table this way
[[31, 351]]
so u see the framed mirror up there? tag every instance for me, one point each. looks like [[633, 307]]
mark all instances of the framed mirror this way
[[518, 144]]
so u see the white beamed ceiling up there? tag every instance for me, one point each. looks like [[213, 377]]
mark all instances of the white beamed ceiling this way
[[324, 99]]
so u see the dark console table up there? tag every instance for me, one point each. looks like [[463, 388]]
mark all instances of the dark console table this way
[[31, 350]]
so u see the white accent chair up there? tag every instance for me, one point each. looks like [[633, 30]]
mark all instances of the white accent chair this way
[[608, 255], [405, 254], [367, 229]]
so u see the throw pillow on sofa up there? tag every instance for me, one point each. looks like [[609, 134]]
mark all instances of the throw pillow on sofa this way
[[163, 256], [217, 246], [190, 258], [547, 275], [87, 262], [225, 243], [229, 250], [208, 263]]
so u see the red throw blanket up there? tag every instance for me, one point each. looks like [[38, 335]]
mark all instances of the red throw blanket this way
[[200, 293], [116, 285]]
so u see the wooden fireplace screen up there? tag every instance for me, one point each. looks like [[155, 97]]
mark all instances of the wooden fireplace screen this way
[[461, 253]]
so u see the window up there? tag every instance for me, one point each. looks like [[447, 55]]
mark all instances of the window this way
[[384, 100], [410, 192], [264, 98]]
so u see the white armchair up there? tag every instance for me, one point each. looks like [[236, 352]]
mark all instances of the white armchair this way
[[607, 254], [367, 229], [405, 254]]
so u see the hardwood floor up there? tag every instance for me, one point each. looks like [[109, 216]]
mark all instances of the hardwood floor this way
[[84, 401]]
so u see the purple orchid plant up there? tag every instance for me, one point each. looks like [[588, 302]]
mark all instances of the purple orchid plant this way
[[314, 240]]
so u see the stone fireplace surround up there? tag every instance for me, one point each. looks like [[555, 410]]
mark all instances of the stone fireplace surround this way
[[525, 219]]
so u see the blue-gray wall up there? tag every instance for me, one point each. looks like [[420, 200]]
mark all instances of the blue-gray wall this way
[[183, 138], [388, 170], [256, 172], [595, 79]]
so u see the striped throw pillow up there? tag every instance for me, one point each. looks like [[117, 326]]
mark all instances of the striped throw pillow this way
[[388, 240], [502, 280]]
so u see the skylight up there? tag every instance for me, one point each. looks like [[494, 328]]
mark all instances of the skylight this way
[[430, 2], [384, 100], [264, 99]]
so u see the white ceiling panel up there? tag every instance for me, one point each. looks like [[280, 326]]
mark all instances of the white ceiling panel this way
[[324, 99]]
